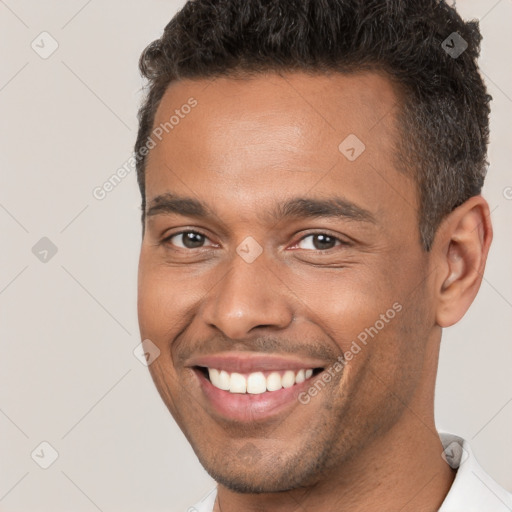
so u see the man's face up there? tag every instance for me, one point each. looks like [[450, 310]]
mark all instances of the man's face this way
[[267, 283]]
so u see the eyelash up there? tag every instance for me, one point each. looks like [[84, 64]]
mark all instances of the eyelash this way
[[168, 238], [336, 239]]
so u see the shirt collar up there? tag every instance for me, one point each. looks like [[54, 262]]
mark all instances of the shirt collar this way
[[473, 490]]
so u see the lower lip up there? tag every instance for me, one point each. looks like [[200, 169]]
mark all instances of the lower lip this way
[[248, 408]]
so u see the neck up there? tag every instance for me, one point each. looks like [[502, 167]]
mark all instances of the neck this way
[[400, 471]]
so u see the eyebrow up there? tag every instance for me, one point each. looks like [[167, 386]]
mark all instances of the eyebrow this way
[[297, 207]]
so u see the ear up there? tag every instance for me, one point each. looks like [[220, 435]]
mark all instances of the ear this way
[[460, 250]]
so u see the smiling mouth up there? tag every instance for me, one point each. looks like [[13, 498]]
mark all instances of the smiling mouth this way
[[256, 383]]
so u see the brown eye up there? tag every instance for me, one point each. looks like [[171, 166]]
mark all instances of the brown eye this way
[[318, 241], [187, 239]]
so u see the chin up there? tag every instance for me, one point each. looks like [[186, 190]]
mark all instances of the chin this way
[[271, 476], [252, 483]]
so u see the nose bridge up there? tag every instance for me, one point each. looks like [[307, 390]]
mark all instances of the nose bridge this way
[[249, 295]]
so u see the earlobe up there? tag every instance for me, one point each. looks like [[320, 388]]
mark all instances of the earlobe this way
[[463, 245]]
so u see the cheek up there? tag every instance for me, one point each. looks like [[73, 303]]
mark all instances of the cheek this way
[[167, 301], [350, 304], [161, 287], [159, 299], [147, 302], [369, 315]]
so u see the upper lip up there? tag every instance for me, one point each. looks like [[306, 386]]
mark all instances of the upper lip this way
[[253, 362]]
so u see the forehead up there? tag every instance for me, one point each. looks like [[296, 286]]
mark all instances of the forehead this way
[[268, 136], [269, 109]]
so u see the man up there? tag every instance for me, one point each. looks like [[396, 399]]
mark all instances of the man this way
[[310, 175]]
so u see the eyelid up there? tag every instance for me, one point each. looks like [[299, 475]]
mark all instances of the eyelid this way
[[167, 239], [342, 241]]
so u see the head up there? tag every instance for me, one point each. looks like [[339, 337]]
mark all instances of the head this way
[[310, 175]]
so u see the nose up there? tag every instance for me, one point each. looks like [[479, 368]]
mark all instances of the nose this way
[[249, 296]]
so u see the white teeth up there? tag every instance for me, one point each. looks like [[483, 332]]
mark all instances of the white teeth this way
[[288, 379], [300, 377], [256, 383], [223, 380], [237, 383], [214, 377], [274, 382], [219, 379]]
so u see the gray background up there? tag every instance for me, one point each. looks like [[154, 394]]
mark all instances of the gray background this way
[[68, 325]]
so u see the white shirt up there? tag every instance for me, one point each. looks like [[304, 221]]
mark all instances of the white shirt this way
[[473, 490]]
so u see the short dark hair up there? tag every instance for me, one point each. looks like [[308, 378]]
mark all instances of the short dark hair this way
[[444, 112]]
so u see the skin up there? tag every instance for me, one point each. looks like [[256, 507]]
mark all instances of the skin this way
[[248, 145]]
